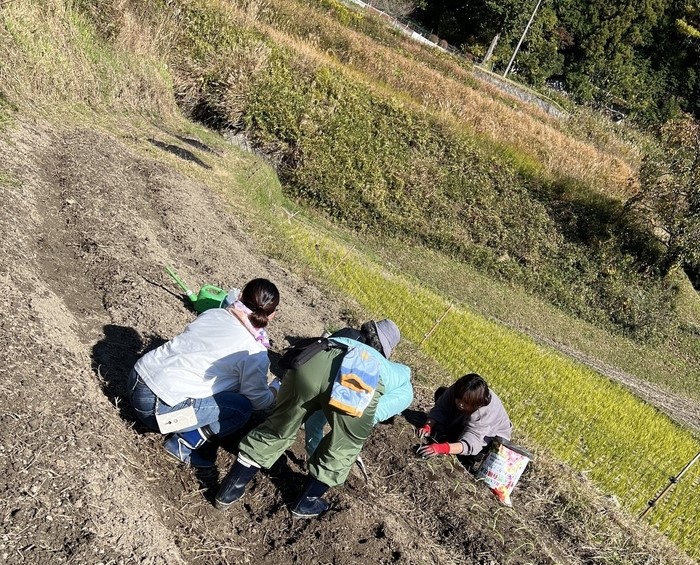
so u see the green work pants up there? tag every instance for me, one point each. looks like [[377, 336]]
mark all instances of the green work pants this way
[[303, 392]]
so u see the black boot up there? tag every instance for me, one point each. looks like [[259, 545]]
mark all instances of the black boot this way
[[234, 483], [310, 503]]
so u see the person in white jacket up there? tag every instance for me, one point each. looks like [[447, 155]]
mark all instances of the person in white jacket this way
[[208, 380]]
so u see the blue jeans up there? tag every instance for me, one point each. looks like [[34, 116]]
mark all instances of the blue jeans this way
[[224, 413]]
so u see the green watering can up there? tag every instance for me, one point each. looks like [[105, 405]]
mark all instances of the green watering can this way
[[209, 296]]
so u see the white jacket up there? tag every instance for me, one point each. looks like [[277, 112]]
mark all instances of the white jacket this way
[[214, 353]]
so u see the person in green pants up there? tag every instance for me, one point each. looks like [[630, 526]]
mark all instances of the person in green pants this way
[[304, 391]]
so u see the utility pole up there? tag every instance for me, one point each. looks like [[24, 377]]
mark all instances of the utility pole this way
[[489, 53], [522, 37]]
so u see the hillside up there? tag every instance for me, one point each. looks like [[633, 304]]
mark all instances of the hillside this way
[[89, 220], [366, 176]]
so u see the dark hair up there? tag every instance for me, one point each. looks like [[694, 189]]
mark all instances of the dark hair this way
[[473, 391], [371, 338], [262, 298]]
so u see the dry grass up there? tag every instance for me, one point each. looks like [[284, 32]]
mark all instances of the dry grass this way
[[144, 38], [50, 55], [239, 66], [252, 10], [484, 110]]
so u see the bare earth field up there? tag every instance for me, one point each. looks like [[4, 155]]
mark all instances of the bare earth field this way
[[87, 225]]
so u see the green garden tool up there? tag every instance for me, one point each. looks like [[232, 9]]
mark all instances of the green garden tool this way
[[209, 296]]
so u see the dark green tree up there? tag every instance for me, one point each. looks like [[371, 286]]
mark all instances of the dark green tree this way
[[689, 23], [474, 22], [688, 28], [605, 62], [669, 194], [641, 56], [539, 57]]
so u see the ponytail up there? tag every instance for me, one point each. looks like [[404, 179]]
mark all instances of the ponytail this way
[[261, 297]]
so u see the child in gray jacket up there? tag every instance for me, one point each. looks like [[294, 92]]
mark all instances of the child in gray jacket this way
[[465, 419]]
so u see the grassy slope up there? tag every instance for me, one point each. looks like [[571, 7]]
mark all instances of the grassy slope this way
[[425, 77], [538, 211], [133, 80], [574, 413], [441, 83], [672, 364]]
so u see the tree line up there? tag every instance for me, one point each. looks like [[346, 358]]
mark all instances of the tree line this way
[[640, 58]]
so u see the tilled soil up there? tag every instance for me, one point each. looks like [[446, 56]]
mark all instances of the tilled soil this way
[[88, 224]]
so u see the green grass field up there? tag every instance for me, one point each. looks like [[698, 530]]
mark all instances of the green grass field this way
[[625, 446]]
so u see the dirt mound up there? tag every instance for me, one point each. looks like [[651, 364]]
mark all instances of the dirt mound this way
[[87, 226]]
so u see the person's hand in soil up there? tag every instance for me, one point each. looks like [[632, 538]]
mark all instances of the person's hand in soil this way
[[424, 432], [433, 449]]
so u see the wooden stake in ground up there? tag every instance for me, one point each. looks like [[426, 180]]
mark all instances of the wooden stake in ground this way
[[436, 325], [341, 260], [672, 481]]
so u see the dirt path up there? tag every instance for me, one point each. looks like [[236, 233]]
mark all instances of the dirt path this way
[[681, 409], [87, 225]]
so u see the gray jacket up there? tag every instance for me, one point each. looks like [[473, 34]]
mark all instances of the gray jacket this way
[[475, 431]]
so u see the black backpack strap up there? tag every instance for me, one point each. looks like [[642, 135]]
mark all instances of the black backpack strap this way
[[296, 355], [350, 333]]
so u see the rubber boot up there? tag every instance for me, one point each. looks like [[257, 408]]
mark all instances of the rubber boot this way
[[310, 504], [183, 447], [234, 483]]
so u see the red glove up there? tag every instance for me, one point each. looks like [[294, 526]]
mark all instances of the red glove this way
[[424, 431], [433, 449]]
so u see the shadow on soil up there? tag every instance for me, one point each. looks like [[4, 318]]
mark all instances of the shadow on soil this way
[[180, 152], [114, 356]]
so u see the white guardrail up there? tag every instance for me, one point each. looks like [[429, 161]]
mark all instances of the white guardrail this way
[[509, 86]]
